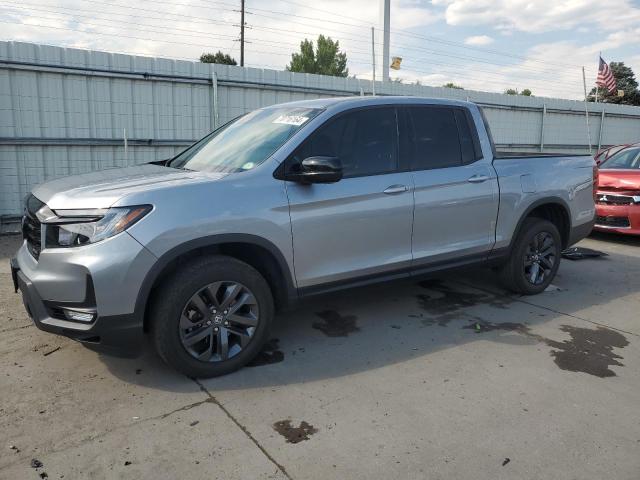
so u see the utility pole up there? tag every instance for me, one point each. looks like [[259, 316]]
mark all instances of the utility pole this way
[[373, 61], [386, 26], [242, 33]]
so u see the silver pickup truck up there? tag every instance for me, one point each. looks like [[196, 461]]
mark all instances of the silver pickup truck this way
[[286, 201]]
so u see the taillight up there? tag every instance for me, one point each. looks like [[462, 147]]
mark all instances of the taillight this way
[[596, 175]]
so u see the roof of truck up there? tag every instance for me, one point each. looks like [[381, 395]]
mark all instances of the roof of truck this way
[[344, 102]]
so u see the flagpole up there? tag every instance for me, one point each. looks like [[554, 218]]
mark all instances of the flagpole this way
[[599, 57], [586, 109]]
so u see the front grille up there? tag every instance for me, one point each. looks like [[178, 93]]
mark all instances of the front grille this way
[[31, 227], [613, 199], [612, 222]]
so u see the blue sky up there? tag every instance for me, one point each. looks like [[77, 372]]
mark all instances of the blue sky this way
[[485, 45]]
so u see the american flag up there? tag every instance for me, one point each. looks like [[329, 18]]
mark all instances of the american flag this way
[[605, 77]]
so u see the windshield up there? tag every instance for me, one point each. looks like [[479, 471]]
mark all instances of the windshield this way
[[629, 158], [245, 142]]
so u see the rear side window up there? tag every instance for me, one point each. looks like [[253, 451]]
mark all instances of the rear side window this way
[[364, 140], [469, 141], [486, 127], [466, 140], [433, 138]]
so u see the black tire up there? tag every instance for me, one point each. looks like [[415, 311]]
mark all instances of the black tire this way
[[514, 274], [176, 293]]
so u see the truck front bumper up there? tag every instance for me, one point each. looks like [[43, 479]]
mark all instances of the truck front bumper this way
[[116, 332], [87, 294]]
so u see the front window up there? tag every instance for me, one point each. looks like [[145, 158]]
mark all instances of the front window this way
[[246, 142], [629, 158], [363, 140]]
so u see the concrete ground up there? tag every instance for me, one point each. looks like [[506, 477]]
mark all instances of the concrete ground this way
[[439, 379]]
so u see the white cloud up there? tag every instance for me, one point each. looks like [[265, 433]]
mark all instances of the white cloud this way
[[275, 29], [186, 29], [478, 40], [542, 15], [552, 69]]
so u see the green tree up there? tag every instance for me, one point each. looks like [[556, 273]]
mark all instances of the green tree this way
[[452, 85], [625, 80], [218, 57], [514, 91], [325, 60]]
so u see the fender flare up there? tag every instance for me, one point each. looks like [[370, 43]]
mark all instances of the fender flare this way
[[542, 201], [210, 241]]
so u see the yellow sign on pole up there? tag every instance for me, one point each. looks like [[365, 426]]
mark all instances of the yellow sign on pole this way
[[395, 63]]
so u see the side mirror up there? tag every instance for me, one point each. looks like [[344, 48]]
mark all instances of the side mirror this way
[[318, 170]]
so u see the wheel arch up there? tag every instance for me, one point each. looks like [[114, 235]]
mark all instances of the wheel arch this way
[[256, 251], [554, 209]]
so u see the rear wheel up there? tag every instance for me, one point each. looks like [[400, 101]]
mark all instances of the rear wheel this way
[[212, 316], [535, 258]]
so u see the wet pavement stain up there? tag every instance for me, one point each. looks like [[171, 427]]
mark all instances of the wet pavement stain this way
[[441, 320], [588, 351], [336, 325], [444, 303], [269, 354], [482, 326], [294, 434]]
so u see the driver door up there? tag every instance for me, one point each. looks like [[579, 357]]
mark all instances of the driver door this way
[[359, 227]]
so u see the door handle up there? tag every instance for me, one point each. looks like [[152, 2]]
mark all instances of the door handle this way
[[478, 179], [393, 189]]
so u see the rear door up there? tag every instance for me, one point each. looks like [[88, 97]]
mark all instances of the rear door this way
[[359, 227], [456, 189]]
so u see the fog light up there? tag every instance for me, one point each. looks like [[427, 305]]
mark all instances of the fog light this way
[[79, 316]]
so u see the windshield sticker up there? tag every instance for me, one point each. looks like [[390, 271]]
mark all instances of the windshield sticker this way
[[296, 120]]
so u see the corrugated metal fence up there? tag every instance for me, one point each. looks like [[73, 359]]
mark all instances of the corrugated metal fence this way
[[66, 111]]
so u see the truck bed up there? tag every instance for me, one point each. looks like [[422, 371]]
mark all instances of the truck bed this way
[[509, 155]]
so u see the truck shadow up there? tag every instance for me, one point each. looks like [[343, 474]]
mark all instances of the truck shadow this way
[[372, 327]]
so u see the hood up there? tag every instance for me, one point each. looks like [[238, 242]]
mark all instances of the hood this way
[[619, 180], [103, 188]]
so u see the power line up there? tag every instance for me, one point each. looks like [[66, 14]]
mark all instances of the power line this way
[[397, 31], [407, 32], [418, 49], [119, 22], [259, 27], [140, 38]]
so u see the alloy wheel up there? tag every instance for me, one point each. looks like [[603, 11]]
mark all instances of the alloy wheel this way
[[540, 258], [218, 321]]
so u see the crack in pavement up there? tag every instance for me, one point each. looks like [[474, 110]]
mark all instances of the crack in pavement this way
[[21, 327], [210, 399], [244, 429], [184, 408], [90, 438]]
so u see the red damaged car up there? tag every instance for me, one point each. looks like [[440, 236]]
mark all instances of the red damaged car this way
[[618, 194]]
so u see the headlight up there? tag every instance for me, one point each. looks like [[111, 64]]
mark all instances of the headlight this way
[[70, 228]]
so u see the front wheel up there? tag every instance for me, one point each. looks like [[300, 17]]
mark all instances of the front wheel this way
[[212, 316], [534, 259]]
